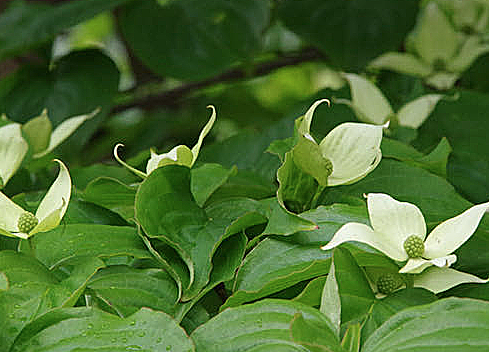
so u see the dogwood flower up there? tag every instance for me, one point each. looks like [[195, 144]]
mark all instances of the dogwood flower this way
[[17, 222], [371, 106], [13, 149], [179, 155], [350, 151], [437, 53], [399, 231], [41, 137]]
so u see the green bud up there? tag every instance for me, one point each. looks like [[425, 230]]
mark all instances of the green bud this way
[[27, 221], [414, 246], [388, 283]]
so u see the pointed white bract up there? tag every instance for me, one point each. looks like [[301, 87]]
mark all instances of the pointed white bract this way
[[352, 148], [438, 280], [370, 105], [179, 155], [393, 222], [13, 149], [48, 214]]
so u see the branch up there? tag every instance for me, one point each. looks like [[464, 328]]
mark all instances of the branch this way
[[170, 97]]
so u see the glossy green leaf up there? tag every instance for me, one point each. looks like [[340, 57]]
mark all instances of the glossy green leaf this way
[[206, 179], [354, 290], [67, 241], [315, 336], [76, 84], [25, 25], [86, 329], [112, 194], [263, 324], [125, 290], [384, 308], [451, 324], [275, 265], [351, 27], [311, 295], [226, 32]]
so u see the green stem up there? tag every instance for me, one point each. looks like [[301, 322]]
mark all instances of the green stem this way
[[315, 199]]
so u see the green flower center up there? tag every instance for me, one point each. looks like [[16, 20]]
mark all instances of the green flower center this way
[[27, 221], [388, 283], [439, 65], [414, 246], [328, 165]]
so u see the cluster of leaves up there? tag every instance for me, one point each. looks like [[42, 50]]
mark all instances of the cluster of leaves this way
[[219, 249]]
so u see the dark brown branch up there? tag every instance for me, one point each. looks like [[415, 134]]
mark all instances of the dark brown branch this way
[[170, 97]]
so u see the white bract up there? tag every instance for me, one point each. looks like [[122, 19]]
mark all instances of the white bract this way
[[17, 222], [399, 231], [441, 279], [179, 155], [13, 149], [41, 137], [436, 52], [352, 148], [371, 106]]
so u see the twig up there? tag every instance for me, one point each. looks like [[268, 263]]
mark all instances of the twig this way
[[170, 97]]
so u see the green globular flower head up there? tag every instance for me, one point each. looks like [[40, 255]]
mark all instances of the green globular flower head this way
[[388, 283], [414, 246], [328, 167], [27, 221]]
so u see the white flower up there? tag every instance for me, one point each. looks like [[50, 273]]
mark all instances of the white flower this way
[[41, 137], [371, 106], [438, 53], [15, 221], [399, 231], [13, 149], [179, 155], [353, 149]]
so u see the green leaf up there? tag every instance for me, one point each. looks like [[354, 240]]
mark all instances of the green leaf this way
[[315, 336], [353, 27], [221, 32], [297, 188], [330, 299], [64, 242], [86, 329], [75, 84], [112, 194], [435, 161], [25, 25], [126, 290], [38, 132], [311, 295], [20, 268], [354, 290], [452, 324], [384, 308], [468, 166], [275, 265], [351, 339], [166, 209], [253, 327], [81, 177], [206, 179]]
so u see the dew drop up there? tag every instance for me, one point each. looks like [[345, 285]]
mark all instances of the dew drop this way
[[131, 333], [168, 348], [90, 326], [11, 315], [113, 340], [141, 334], [132, 323], [16, 305], [159, 340], [124, 339]]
